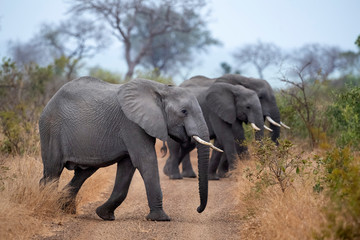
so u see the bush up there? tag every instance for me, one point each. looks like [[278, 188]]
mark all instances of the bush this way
[[155, 76], [105, 75], [342, 185], [23, 94], [345, 118], [275, 165]]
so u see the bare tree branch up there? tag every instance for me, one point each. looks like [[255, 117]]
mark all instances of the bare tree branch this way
[[140, 24]]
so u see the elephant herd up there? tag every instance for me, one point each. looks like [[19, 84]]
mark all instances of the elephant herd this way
[[89, 124]]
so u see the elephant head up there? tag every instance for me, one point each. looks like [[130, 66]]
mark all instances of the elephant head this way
[[266, 96], [163, 111], [235, 102]]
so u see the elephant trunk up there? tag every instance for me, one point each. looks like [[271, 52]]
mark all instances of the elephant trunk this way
[[197, 129], [259, 134], [203, 163], [275, 134]]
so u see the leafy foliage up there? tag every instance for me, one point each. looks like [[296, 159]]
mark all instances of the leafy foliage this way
[[156, 76], [105, 75], [342, 183], [275, 165], [345, 118], [23, 93], [159, 34]]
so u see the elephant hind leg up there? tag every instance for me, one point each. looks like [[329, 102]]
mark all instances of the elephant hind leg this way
[[188, 171], [73, 187], [125, 172]]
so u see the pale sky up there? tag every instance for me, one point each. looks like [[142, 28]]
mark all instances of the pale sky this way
[[287, 23]]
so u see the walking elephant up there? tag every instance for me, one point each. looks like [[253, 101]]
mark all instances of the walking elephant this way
[[266, 96], [225, 107], [89, 124], [269, 108]]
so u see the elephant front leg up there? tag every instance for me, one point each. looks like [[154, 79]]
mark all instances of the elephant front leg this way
[[150, 174], [224, 134], [125, 172], [239, 135], [223, 168], [214, 162]]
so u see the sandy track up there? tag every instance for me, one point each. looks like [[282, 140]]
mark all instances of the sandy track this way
[[180, 200]]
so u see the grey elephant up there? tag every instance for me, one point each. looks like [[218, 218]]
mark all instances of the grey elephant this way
[[225, 107], [89, 124], [269, 109]]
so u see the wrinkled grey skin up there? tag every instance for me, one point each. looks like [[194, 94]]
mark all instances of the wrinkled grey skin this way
[[268, 105], [90, 124], [266, 96], [225, 108]]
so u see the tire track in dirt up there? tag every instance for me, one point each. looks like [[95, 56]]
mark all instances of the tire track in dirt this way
[[180, 200]]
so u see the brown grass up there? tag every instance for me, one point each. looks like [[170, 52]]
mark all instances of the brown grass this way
[[23, 204], [26, 209], [272, 214]]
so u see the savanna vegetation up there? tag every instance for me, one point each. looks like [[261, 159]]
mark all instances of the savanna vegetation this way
[[306, 187]]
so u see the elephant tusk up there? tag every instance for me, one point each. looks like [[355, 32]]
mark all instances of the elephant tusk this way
[[199, 140], [283, 124], [267, 128], [254, 127], [272, 121]]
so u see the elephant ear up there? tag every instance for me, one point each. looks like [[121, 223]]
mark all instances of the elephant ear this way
[[141, 102], [220, 100]]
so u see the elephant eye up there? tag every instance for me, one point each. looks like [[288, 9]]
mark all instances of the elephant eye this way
[[184, 111], [248, 107]]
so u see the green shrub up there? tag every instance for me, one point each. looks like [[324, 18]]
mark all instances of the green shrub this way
[[156, 76], [105, 75], [275, 165], [341, 180], [23, 94], [345, 118]]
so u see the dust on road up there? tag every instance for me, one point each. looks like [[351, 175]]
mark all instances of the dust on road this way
[[180, 200]]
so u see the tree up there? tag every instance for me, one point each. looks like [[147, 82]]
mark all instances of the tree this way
[[351, 60], [74, 39], [149, 29], [170, 52], [71, 41], [227, 69], [304, 98], [260, 55], [321, 61]]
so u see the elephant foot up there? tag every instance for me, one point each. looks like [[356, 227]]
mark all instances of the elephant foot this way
[[158, 215], [166, 170], [68, 206], [224, 174], [175, 176], [188, 174], [105, 214], [213, 176]]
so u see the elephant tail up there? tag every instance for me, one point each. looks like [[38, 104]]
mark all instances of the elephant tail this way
[[163, 149]]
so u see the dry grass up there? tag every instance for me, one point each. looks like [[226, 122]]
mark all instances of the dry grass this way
[[272, 214], [26, 209], [23, 204]]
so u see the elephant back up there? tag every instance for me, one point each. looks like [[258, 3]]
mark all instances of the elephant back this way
[[198, 81]]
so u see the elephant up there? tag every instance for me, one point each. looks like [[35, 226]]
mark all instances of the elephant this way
[[268, 105], [225, 108], [89, 124]]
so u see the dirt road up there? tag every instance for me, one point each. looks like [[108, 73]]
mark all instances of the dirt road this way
[[180, 200]]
